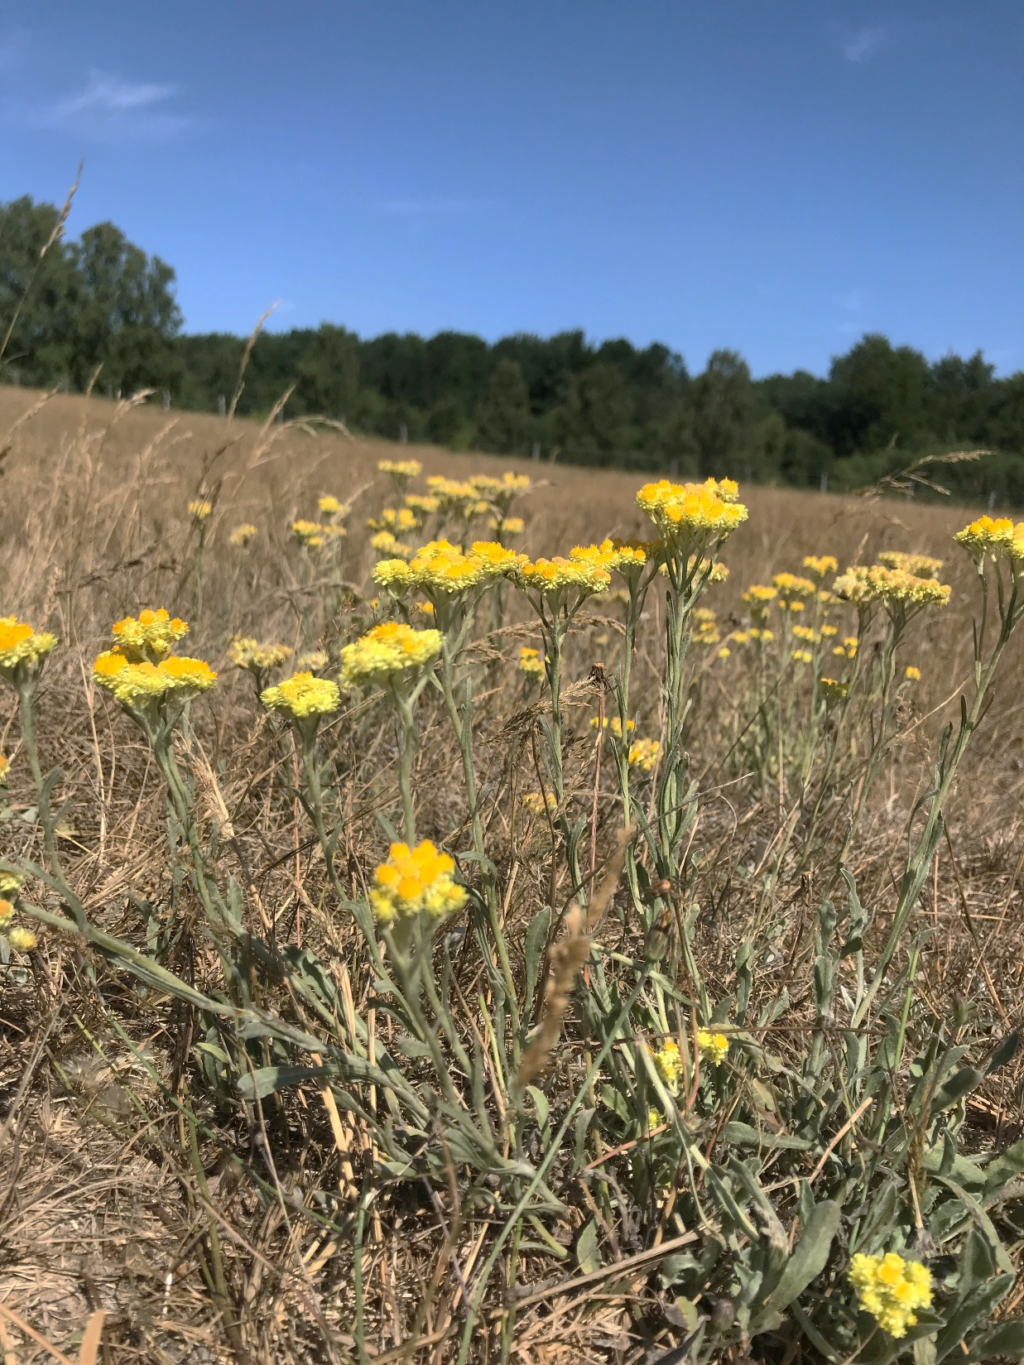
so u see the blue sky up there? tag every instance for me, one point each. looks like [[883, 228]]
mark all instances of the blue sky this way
[[775, 176]]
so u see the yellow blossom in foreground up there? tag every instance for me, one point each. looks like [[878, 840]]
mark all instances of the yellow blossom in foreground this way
[[22, 649], [242, 535], [993, 536], [250, 654], [199, 509], [530, 662], [644, 753], [705, 513], [714, 1046], [415, 880], [303, 696], [6, 911], [832, 690], [626, 557], [669, 1065], [891, 1289], [918, 566], [10, 882], [556, 577], [820, 565], [912, 674], [22, 939], [151, 636], [387, 649], [133, 684]]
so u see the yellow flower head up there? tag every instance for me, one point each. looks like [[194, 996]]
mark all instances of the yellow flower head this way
[[802, 656], [6, 911], [23, 650], [311, 534], [820, 565], [892, 587], [530, 662], [759, 598], [805, 633], [242, 535], [791, 588], [701, 513], [832, 690], [422, 504], [507, 526], [555, 578], [303, 697], [415, 881], [390, 519], [134, 684], [247, 653], [644, 754], [615, 725], [454, 497], [199, 509], [150, 636], [387, 650], [22, 939], [535, 803], [993, 536], [386, 544], [912, 674], [891, 1289], [713, 1046], [918, 566], [669, 1065], [331, 508], [401, 470], [312, 661], [705, 627], [10, 882]]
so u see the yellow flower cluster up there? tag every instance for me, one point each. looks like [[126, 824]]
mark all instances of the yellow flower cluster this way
[[311, 662], [832, 690], [705, 512], [508, 526], [995, 536], [21, 939], [150, 636], [385, 650], [500, 492], [919, 566], [401, 470], [805, 633], [802, 656], [705, 627], [242, 535], [302, 696], [820, 565], [713, 1046], [912, 674], [792, 590], [10, 882], [891, 586], [421, 503], [615, 725], [22, 649], [584, 571], [247, 653], [440, 568], [134, 684], [414, 881], [535, 803], [759, 598], [891, 1289], [199, 509], [332, 508], [455, 497], [848, 649], [404, 519], [626, 557], [530, 662], [669, 1065], [644, 753], [386, 544]]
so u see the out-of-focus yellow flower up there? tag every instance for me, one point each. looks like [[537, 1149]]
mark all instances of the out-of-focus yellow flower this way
[[644, 753], [892, 587], [500, 493], [312, 661], [333, 509], [701, 513], [918, 566], [507, 526], [764, 636], [832, 690], [759, 598], [5, 768], [615, 725], [655, 1120], [713, 1046], [6, 912], [243, 535], [806, 633], [912, 673], [401, 471], [820, 565], [303, 696], [22, 939], [535, 803], [387, 650], [150, 636], [311, 534], [740, 637], [136, 684], [530, 662], [829, 631], [848, 649], [792, 590], [249, 654], [669, 1065], [891, 1289], [23, 651], [802, 656], [387, 544], [199, 509], [704, 630], [10, 882], [427, 608], [422, 504], [400, 520], [415, 881], [453, 497]]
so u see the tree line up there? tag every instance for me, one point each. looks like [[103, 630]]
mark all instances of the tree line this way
[[100, 303]]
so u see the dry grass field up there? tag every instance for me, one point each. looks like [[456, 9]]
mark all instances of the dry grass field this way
[[158, 1183]]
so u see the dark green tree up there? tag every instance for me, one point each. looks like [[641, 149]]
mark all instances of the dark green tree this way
[[503, 417]]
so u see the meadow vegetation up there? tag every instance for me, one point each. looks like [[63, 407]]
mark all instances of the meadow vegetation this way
[[462, 911]]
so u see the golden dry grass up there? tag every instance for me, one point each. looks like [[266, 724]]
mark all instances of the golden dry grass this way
[[100, 1204]]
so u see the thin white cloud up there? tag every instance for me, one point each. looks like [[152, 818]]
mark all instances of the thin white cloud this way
[[109, 107], [864, 43]]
